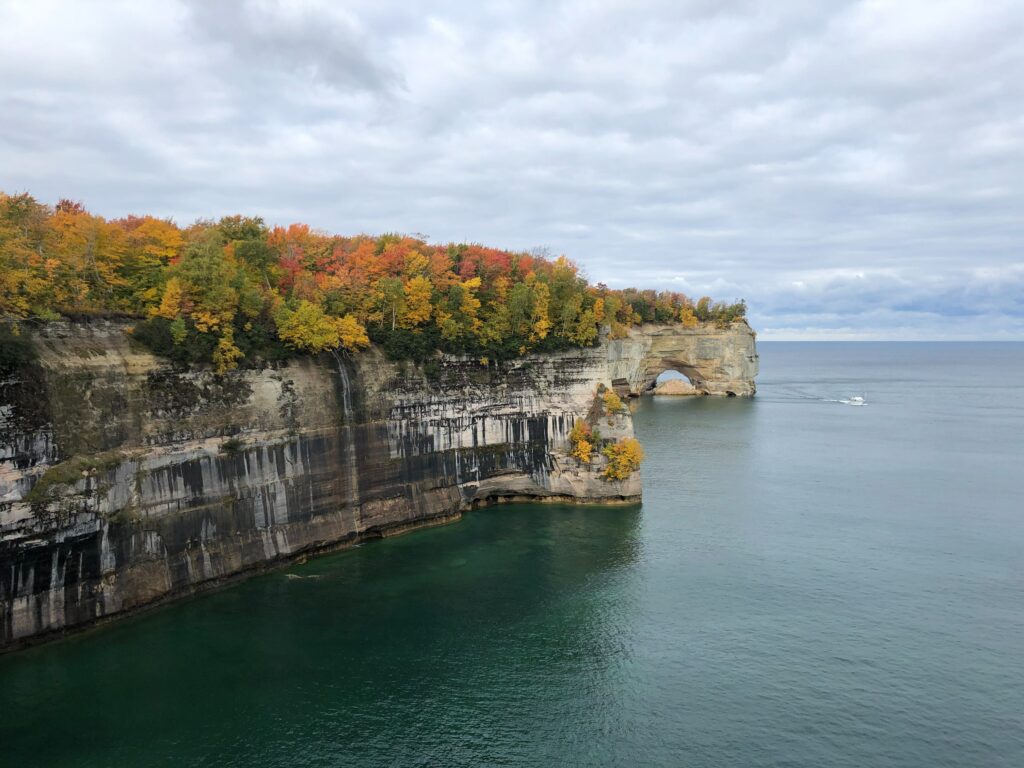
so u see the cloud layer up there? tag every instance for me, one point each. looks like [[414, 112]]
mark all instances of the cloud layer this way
[[853, 169]]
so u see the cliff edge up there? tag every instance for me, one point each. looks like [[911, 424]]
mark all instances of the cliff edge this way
[[126, 480]]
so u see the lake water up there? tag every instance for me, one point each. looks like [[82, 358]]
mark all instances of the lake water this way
[[808, 583]]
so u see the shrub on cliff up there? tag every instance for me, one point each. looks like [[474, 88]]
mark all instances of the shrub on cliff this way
[[624, 458], [612, 402], [582, 439]]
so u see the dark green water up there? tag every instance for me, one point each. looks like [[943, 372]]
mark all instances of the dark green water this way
[[808, 583]]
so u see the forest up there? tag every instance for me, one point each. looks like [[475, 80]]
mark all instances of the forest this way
[[238, 292]]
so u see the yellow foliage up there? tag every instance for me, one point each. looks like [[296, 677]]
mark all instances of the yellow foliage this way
[[18, 284], [542, 299], [470, 303], [585, 330], [583, 450], [416, 264], [687, 317], [90, 254], [624, 459], [170, 305], [612, 402], [226, 355], [459, 317], [207, 320], [351, 333], [156, 240], [580, 439], [418, 292], [309, 328]]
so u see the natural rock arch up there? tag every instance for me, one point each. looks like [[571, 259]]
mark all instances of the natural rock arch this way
[[717, 361]]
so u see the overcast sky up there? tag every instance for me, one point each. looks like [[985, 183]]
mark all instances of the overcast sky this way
[[852, 169]]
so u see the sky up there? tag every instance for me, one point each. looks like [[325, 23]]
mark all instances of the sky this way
[[854, 170]]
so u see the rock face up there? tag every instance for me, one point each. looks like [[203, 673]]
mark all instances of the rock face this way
[[717, 361], [125, 480]]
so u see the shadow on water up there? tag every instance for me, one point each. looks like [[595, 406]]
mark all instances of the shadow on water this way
[[443, 645]]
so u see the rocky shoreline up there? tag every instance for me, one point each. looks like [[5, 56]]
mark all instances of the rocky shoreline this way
[[126, 481]]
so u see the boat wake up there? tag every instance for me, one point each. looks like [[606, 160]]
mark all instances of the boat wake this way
[[856, 400]]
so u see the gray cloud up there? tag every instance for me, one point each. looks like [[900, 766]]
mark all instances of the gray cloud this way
[[320, 44], [853, 169]]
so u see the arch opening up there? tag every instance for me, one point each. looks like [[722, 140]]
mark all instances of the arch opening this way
[[675, 379]]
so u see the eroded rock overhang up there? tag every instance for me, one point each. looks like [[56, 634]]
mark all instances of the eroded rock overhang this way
[[717, 360]]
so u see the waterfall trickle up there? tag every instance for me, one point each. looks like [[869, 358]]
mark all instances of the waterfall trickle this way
[[346, 388], [349, 447]]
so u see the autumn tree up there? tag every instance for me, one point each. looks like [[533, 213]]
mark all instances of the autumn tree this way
[[23, 283], [309, 329], [417, 294], [458, 313], [151, 246], [84, 255], [703, 308], [228, 290], [581, 442], [388, 301], [612, 402], [624, 458]]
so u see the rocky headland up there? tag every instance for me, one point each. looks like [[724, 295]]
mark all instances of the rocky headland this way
[[126, 480]]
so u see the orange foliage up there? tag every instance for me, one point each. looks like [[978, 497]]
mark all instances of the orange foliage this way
[[237, 280]]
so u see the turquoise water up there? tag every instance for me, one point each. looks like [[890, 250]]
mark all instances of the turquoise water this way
[[808, 583]]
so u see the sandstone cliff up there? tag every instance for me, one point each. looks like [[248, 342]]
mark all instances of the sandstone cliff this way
[[125, 480], [717, 361]]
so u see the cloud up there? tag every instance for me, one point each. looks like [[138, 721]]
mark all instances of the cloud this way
[[850, 168], [318, 42]]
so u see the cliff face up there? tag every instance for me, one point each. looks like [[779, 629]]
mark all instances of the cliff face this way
[[717, 361], [124, 480]]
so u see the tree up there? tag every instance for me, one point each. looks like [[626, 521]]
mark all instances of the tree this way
[[351, 333], [152, 245], [687, 317], [584, 331], [22, 275], [458, 314], [417, 295], [207, 282], [388, 301], [309, 329], [703, 308], [540, 320], [612, 402], [624, 458], [215, 290], [84, 258], [226, 355], [580, 440]]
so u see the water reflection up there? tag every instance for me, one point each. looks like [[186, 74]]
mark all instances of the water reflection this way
[[446, 644]]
